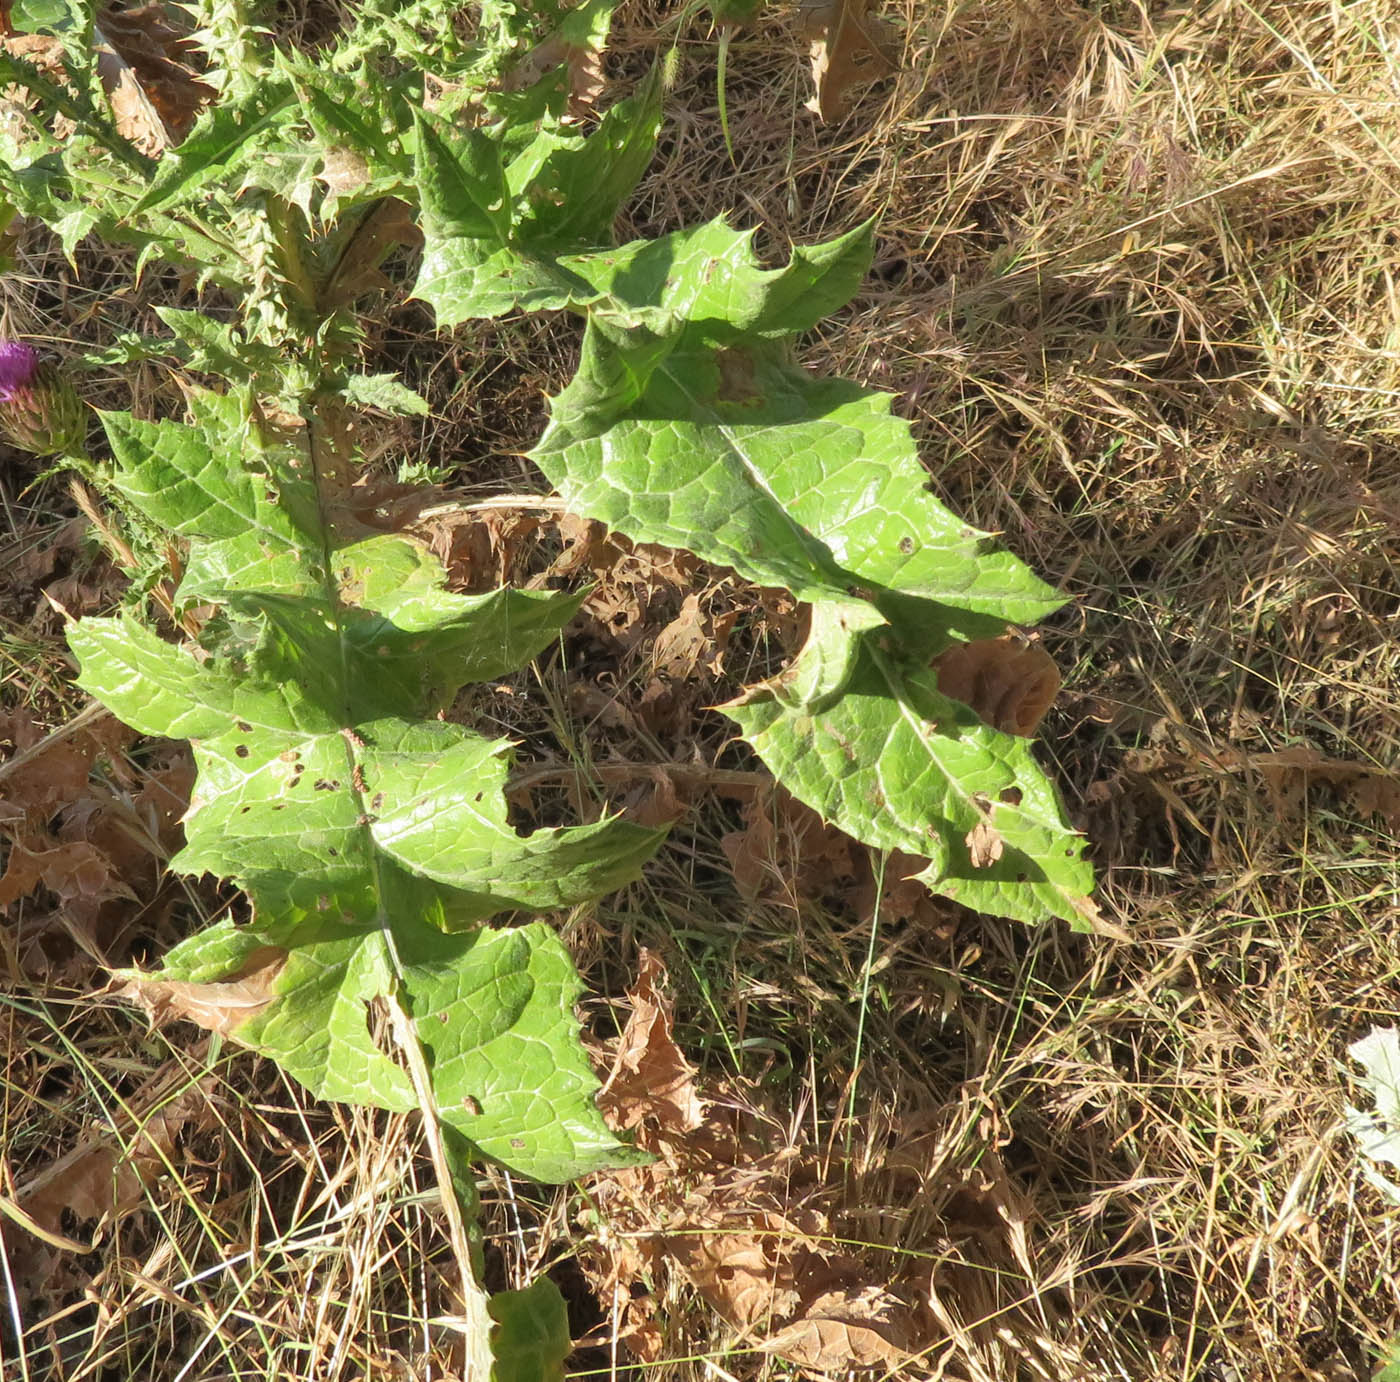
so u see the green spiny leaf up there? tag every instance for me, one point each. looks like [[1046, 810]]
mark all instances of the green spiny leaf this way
[[685, 427], [898, 765], [385, 392], [370, 840], [216, 347], [223, 143], [493, 1011], [215, 482], [494, 232], [573, 194]]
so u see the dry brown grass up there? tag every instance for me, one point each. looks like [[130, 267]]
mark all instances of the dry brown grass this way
[[1135, 291]]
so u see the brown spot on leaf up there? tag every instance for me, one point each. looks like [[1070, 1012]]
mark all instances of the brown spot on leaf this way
[[984, 844]]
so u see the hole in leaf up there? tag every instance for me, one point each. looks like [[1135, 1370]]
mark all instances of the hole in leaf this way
[[1010, 796], [241, 751], [379, 1025]]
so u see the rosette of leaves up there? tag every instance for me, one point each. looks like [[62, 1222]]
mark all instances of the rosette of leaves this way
[[371, 837]]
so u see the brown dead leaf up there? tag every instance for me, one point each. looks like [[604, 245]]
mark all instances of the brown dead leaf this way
[[850, 47], [1289, 773], [990, 1202], [656, 801], [667, 708], [641, 1331], [902, 896], [784, 620], [108, 1174], [165, 796], [1009, 683], [43, 50], [384, 227], [752, 852], [94, 843], [586, 80], [748, 1277], [714, 1207], [586, 546], [147, 68], [862, 1327], [650, 1077], [78, 873], [1377, 794], [786, 852], [481, 550], [222, 1006], [24, 871], [45, 771], [682, 643], [135, 117]]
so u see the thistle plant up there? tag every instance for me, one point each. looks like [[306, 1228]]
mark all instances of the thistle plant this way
[[370, 833]]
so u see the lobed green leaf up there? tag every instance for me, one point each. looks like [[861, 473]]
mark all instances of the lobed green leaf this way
[[372, 841], [494, 230], [899, 766]]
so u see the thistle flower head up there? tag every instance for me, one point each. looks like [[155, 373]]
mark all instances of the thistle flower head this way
[[19, 363], [39, 409]]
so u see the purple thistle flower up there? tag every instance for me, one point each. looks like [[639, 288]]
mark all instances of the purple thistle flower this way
[[40, 410], [18, 365]]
